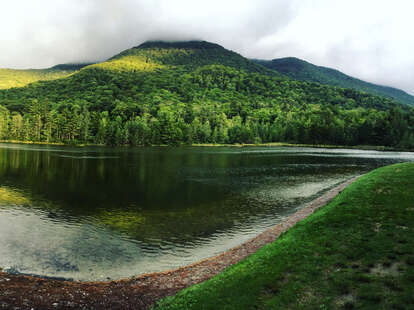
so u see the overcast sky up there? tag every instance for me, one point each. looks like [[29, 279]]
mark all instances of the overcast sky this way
[[369, 39]]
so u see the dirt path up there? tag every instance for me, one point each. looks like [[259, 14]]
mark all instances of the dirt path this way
[[141, 292]]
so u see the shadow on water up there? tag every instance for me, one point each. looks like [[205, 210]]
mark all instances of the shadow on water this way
[[92, 213]]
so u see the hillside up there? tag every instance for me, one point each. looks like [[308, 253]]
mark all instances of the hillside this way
[[196, 92], [304, 71], [18, 78], [191, 55]]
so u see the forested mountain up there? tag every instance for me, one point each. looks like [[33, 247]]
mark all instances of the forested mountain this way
[[17, 78], [304, 71], [196, 92], [191, 55]]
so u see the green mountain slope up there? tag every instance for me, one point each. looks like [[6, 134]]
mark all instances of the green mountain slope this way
[[196, 92], [10, 78], [190, 55], [304, 71]]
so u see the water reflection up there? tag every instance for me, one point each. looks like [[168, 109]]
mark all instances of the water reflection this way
[[92, 213]]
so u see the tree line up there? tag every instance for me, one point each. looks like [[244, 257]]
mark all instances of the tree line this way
[[213, 104]]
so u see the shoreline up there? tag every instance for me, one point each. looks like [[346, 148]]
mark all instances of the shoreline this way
[[235, 145], [357, 252], [142, 291]]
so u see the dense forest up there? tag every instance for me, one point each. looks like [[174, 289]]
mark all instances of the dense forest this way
[[304, 71], [197, 92]]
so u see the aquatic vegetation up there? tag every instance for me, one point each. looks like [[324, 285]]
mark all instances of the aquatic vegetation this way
[[122, 221], [158, 226], [10, 196]]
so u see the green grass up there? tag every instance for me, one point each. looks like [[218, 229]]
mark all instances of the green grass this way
[[355, 253]]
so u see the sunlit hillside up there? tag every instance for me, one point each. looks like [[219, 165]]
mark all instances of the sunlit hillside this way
[[10, 78], [128, 63], [191, 55]]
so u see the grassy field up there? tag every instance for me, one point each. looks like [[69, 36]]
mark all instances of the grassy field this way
[[355, 253]]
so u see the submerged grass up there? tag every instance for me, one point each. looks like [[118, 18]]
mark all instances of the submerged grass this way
[[10, 196], [355, 253]]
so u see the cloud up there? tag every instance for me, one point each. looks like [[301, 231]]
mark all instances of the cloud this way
[[367, 39], [48, 32]]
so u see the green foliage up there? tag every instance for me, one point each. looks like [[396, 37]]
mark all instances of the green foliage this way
[[355, 253], [301, 70], [18, 78], [128, 63], [191, 55], [196, 92]]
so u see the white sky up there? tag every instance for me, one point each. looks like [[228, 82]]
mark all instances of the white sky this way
[[368, 39]]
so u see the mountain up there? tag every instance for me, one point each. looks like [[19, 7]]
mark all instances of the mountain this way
[[186, 56], [10, 78], [196, 92], [304, 71]]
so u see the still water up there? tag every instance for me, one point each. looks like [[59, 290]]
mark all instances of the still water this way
[[100, 213]]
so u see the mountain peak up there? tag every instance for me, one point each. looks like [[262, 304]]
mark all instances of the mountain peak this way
[[186, 54], [179, 45]]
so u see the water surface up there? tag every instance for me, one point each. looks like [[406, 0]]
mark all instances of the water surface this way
[[95, 213]]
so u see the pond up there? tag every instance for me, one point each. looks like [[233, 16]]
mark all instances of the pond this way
[[97, 213]]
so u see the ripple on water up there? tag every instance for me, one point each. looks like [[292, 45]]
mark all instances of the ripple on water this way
[[114, 213]]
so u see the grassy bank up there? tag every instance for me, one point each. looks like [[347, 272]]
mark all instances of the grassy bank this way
[[355, 253], [327, 146], [50, 143], [272, 144]]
